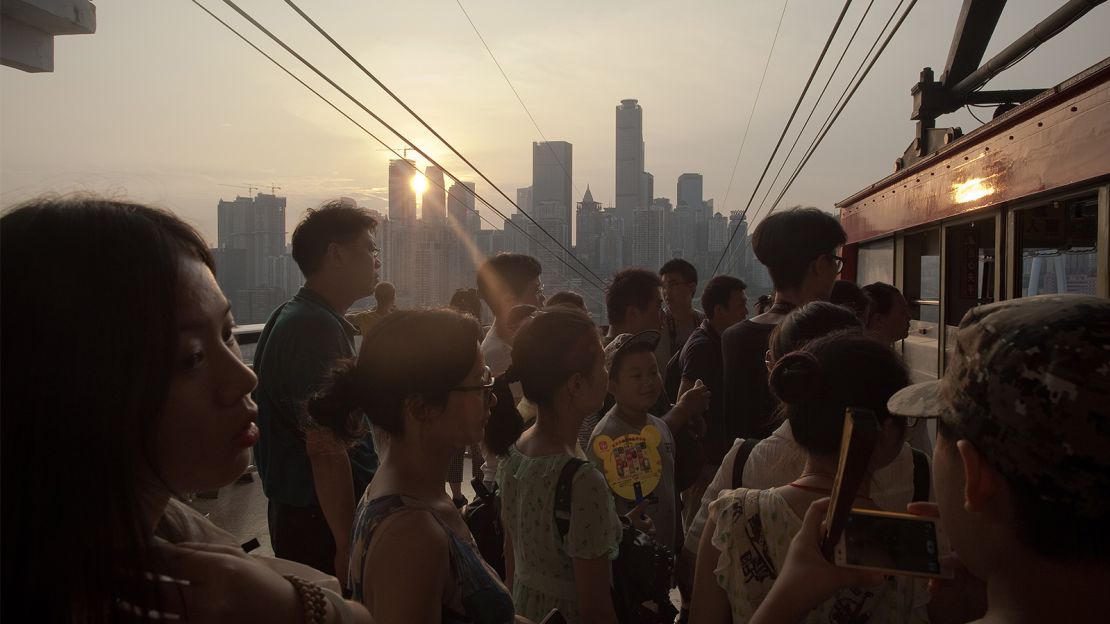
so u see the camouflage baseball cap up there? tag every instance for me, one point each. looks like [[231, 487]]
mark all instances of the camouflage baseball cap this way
[[619, 344], [1029, 385]]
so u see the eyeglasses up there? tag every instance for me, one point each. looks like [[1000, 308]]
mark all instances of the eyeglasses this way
[[487, 385], [839, 263]]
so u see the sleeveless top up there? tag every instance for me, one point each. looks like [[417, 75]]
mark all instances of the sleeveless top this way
[[478, 596]]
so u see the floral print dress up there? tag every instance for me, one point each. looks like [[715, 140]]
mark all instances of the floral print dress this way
[[753, 532], [543, 577]]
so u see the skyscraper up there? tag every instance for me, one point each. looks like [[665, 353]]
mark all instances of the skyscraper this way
[[251, 236], [588, 237], [630, 158], [402, 197], [689, 190], [524, 199], [551, 181], [647, 188], [433, 206], [648, 237]]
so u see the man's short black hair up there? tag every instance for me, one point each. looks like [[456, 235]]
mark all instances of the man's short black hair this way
[[337, 221], [630, 287], [682, 267], [508, 270], [385, 293], [718, 292], [787, 242]]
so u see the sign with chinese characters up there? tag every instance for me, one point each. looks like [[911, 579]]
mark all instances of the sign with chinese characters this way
[[633, 465]]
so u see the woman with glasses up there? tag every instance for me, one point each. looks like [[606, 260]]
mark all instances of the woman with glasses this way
[[422, 382]]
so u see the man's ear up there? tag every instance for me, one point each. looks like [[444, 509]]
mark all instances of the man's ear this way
[[981, 480]]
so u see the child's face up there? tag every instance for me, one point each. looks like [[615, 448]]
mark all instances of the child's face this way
[[638, 384]]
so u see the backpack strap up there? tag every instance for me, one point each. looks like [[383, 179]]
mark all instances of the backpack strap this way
[[562, 495], [741, 460], [921, 476]]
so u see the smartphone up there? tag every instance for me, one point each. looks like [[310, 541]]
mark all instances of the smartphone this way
[[857, 443], [892, 543], [554, 617]]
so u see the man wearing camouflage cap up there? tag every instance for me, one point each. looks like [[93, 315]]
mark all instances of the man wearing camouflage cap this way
[[1022, 460]]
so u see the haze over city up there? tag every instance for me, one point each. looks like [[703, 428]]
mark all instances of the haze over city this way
[[162, 104]]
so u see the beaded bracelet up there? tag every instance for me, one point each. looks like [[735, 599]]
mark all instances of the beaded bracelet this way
[[312, 599]]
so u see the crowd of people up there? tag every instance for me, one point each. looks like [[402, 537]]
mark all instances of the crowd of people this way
[[676, 448]]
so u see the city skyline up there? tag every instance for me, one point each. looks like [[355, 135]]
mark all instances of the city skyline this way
[[221, 115]]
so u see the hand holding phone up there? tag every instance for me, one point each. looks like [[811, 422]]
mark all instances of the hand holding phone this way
[[554, 617], [893, 543]]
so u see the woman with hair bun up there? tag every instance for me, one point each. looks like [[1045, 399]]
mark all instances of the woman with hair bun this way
[[422, 381], [736, 566]]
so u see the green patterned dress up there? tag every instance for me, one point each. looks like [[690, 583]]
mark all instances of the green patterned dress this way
[[543, 577]]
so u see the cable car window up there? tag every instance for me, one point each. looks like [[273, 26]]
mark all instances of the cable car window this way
[[921, 287], [876, 262], [969, 271], [1058, 245]]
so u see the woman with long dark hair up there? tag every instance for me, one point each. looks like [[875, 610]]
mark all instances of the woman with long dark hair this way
[[123, 387], [422, 381]]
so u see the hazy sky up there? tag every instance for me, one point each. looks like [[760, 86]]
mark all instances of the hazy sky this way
[[163, 105]]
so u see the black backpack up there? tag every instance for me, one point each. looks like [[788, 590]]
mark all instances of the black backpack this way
[[643, 569], [483, 518]]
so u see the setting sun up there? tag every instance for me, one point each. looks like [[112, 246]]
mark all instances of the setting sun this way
[[419, 183]]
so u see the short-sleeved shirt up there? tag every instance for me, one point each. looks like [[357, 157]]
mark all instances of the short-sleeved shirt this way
[[753, 532], [300, 344], [661, 505], [673, 335], [748, 403], [701, 359], [543, 568]]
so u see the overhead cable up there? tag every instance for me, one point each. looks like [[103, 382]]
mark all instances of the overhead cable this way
[[376, 138], [797, 105], [410, 111], [751, 113]]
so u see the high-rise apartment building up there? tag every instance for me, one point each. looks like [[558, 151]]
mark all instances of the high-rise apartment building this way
[[433, 205], [629, 158], [649, 237], [552, 165], [402, 197], [250, 236]]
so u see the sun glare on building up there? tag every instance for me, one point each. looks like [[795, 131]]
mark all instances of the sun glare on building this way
[[419, 183], [976, 188]]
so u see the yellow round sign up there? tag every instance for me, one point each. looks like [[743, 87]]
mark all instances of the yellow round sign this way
[[633, 465]]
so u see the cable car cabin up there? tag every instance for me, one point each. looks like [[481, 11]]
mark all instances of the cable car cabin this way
[[1018, 207]]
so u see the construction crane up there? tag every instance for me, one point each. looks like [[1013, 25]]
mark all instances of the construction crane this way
[[404, 151], [274, 188], [251, 188]]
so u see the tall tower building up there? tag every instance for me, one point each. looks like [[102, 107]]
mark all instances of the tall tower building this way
[[433, 206], [402, 197], [647, 188], [630, 158], [551, 181], [588, 224], [648, 237], [524, 199], [690, 190]]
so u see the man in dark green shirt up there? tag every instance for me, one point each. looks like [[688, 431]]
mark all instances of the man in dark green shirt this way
[[312, 481]]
